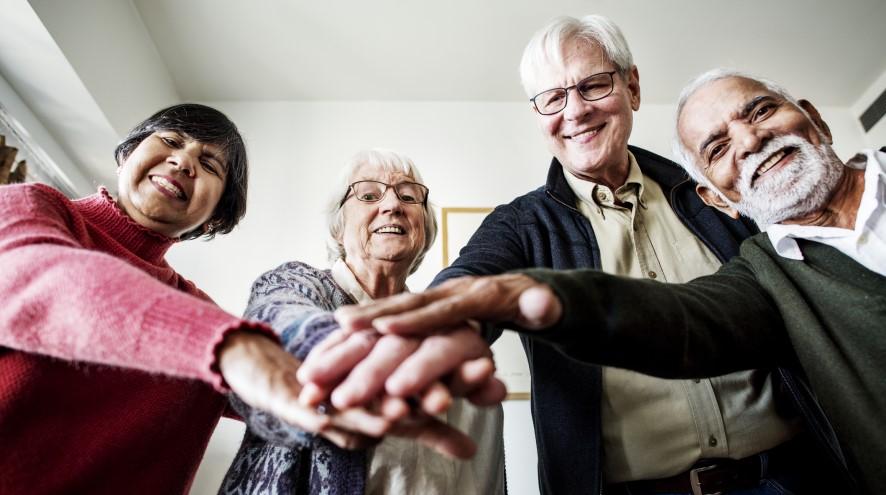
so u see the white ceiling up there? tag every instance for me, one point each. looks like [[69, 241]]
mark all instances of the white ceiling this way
[[112, 62]]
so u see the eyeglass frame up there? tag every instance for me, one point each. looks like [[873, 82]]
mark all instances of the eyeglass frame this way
[[611, 75], [424, 202]]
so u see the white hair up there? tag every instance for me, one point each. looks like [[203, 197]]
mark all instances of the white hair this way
[[680, 151], [389, 161], [547, 45]]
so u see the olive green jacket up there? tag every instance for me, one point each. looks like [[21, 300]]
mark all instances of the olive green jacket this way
[[822, 318]]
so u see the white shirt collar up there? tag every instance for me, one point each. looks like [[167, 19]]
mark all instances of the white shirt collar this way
[[783, 237], [345, 279]]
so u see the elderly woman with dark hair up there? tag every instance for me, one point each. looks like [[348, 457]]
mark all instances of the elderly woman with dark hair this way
[[380, 229], [111, 363]]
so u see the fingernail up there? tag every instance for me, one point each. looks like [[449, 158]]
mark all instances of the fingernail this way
[[399, 385], [382, 324], [342, 398]]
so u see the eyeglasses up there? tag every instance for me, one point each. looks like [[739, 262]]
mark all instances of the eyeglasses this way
[[372, 191], [591, 88]]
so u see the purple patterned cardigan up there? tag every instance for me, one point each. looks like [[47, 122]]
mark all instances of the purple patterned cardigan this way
[[297, 300]]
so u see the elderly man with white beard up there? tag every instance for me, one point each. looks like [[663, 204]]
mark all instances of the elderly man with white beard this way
[[807, 295]]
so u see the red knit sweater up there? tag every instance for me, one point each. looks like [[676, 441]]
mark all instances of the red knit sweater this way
[[108, 379]]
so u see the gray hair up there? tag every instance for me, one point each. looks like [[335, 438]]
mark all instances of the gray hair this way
[[680, 151], [388, 161], [546, 46]]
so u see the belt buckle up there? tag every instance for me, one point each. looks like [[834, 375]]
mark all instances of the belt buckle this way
[[695, 483]]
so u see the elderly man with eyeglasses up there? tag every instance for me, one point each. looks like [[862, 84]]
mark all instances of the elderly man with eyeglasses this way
[[627, 211]]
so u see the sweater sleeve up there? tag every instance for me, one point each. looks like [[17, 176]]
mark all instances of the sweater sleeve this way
[[710, 326], [62, 298], [494, 248], [298, 301]]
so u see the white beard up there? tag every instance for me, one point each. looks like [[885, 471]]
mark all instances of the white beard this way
[[802, 187]]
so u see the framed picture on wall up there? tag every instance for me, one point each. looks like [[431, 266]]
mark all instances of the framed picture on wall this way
[[457, 226]]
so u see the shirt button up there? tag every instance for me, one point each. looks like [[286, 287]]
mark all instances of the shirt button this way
[[712, 441], [652, 274]]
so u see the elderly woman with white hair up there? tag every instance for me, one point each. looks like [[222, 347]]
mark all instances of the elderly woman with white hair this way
[[380, 229]]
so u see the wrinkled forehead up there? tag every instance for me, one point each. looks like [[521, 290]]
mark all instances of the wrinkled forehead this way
[[382, 172], [712, 106], [577, 57]]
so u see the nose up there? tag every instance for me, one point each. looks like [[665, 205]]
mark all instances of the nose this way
[[184, 161], [389, 202], [747, 138], [576, 106]]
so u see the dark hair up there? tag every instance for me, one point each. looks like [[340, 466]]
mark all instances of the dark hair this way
[[207, 125]]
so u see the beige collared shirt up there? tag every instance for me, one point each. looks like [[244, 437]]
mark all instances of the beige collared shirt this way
[[654, 428], [402, 466]]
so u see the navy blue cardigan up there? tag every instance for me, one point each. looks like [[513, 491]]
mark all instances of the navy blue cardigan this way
[[545, 229]]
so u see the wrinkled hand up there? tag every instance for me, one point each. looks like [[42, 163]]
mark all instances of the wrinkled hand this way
[[263, 375], [356, 367], [366, 364], [500, 298]]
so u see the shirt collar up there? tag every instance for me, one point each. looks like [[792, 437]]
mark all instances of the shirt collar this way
[[599, 195], [345, 279], [783, 236]]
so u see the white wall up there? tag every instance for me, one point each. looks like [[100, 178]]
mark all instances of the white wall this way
[[471, 154]]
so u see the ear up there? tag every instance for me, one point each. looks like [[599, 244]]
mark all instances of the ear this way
[[634, 87], [817, 120], [714, 199]]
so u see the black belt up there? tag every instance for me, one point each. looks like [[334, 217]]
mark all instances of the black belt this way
[[707, 477]]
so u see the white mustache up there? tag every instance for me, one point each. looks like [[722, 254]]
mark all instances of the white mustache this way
[[753, 162]]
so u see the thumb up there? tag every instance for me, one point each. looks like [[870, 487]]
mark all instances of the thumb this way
[[539, 308]]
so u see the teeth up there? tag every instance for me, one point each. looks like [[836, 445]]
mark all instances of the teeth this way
[[169, 186], [770, 162], [390, 229]]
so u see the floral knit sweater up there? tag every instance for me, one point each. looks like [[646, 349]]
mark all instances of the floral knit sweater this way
[[108, 379]]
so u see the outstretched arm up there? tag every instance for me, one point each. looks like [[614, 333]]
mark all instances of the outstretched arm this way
[[710, 326], [297, 300], [63, 298]]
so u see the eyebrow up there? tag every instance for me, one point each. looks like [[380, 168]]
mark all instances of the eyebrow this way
[[743, 113]]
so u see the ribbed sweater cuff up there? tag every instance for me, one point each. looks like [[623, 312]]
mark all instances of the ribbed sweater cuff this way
[[192, 350]]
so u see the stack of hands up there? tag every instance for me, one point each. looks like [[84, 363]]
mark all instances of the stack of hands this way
[[394, 365]]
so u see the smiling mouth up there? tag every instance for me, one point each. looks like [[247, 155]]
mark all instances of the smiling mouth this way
[[170, 187], [773, 160], [587, 134], [390, 229]]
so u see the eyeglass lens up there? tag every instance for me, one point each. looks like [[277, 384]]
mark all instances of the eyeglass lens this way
[[592, 88], [371, 191]]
